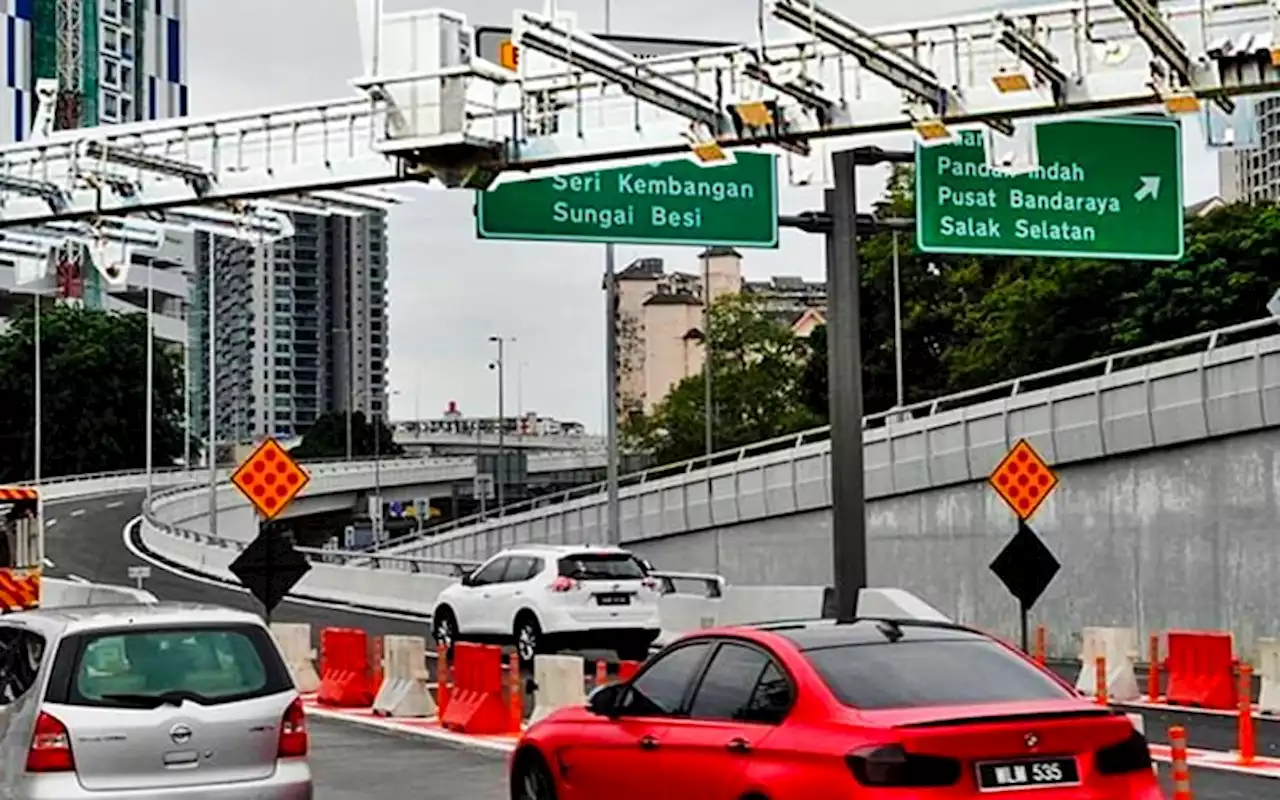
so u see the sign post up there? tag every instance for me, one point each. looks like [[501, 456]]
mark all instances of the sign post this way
[[677, 202], [1025, 565], [1105, 188], [270, 566], [138, 574]]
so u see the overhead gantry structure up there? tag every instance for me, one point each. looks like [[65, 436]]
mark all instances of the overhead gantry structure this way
[[430, 111]]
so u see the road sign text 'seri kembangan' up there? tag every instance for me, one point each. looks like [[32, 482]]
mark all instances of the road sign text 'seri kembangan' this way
[[1104, 189], [671, 202]]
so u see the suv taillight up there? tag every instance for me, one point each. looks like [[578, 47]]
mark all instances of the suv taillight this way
[[50, 746], [1130, 755], [294, 741], [892, 765], [563, 584], [650, 584]]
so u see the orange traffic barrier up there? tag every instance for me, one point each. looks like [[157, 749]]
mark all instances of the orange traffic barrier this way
[[1245, 713], [628, 669], [475, 702], [1153, 668], [515, 694], [602, 673], [344, 669], [1200, 670], [442, 679], [1181, 775], [1100, 680], [1041, 645]]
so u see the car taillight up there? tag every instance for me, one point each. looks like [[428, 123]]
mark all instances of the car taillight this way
[[1131, 755], [294, 741], [50, 746], [650, 584], [892, 765], [563, 584]]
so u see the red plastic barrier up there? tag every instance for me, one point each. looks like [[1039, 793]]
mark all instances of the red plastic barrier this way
[[1200, 668], [345, 674], [475, 703], [628, 669]]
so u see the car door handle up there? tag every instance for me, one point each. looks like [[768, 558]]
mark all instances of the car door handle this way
[[648, 743], [738, 745]]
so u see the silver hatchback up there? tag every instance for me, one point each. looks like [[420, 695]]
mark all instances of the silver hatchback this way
[[161, 702]]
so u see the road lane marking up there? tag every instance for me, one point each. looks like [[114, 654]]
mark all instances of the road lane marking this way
[[115, 504], [71, 576], [49, 523], [48, 563], [79, 512]]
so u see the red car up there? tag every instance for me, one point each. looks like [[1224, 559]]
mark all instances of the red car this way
[[864, 710]]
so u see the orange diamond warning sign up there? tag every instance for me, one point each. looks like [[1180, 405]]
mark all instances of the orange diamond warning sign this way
[[1023, 479], [270, 478]]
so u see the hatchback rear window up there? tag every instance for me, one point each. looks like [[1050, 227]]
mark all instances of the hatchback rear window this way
[[142, 668], [930, 673], [601, 566]]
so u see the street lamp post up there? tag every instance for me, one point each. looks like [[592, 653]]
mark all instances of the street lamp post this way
[[500, 367], [212, 445], [151, 371]]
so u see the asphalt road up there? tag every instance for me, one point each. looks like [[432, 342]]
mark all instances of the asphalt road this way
[[84, 539]]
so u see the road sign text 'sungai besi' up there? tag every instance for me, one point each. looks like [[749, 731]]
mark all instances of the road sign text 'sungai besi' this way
[[671, 202], [1104, 189]]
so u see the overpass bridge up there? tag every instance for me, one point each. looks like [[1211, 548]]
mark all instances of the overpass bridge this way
[[461, 442], [1166, 511]]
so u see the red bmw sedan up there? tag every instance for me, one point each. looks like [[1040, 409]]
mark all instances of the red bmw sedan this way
[[864, 710]]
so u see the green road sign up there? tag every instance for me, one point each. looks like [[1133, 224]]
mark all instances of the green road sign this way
[[670, 202], [1104, 189]]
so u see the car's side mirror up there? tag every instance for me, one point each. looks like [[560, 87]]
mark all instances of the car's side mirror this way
[[606, 699], [468, 579]]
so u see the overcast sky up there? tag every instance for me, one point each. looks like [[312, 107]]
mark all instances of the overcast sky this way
[[450, 292]]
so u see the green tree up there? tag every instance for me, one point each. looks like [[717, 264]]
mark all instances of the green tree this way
[[327, 438], [93, 386], [756, 364]]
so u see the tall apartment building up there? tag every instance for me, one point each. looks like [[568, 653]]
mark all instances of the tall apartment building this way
[[1254, 174], [300, 327], [660, 319], [117, 61]]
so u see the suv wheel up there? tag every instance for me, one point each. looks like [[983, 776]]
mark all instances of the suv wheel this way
[[528, 635], [445, 630]]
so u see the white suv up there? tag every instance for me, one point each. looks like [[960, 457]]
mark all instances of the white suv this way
[[554, 597]]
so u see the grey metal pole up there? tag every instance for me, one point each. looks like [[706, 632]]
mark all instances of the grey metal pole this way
[[151, 374], [39, 392], [502, 424], [844, 369], [708, 398], [613, 530], [897, 321], [351, 349], [186, 396], [377, 475], [212, 445]]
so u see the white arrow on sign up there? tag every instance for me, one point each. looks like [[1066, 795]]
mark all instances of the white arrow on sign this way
[[1150, 188]]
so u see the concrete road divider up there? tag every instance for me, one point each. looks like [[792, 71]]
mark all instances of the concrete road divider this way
[[1116, 649], [1269, 673], [295, 642], [60, 593], [558, 683], [404, 691], [896, 604]]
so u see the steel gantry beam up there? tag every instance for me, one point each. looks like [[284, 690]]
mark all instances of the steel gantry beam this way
[[432, 111]]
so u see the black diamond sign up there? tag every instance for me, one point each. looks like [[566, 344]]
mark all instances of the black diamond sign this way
[[1026, 566], [269, 567]]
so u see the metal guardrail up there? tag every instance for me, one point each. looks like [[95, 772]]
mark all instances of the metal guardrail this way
[[1102, 365]]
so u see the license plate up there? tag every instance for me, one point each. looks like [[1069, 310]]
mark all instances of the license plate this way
[[995, 776], [613, 599]]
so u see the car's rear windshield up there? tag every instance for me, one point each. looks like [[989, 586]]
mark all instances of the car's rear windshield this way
[[601, 566], [143, 667], [930, 673]]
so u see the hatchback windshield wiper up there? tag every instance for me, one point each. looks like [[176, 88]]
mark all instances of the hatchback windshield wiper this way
[[172, 698]]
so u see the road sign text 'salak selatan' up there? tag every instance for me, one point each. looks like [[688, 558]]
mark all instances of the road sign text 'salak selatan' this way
[[1103, 189], [670, 202]]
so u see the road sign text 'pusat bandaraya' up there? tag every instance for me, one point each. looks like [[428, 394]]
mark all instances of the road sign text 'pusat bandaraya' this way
[[671, 202], [1103, 189]]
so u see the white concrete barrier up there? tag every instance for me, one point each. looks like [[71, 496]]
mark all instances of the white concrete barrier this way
[[558, 683], [1269, 673], [61, 593], [294, 639], [1120, 648], [896, 604], [404, 691]]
